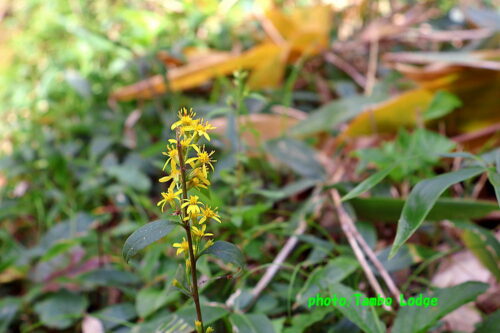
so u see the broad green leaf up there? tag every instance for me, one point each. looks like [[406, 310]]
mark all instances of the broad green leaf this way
[[296, 155], [145, 235], [251, 323], [389, 209], [109, 277], [414, 319], [364, 317], [322, 277], [227, 252], [60, 310], [368, 183], [149, 300], [490, 324], [442, 104], [115, 315], [421, 200], [210, 313], [9, 306]]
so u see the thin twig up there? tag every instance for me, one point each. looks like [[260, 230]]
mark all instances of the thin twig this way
[[372, 67], [346, 228], [369, 252], [347, 68]]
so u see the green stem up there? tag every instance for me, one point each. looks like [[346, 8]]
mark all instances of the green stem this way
[[187, 227]]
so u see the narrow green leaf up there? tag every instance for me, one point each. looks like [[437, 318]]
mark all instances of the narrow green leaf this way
[[490, 323], [416, 319], [227, 252], [145, 235], [421, 200], [368, 183], [483, 244], [298, 156], [364, 317], [251, 323], [494, 178], [9, 307], [385, 209]]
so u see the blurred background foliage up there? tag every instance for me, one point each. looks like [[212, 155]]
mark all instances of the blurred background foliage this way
[[90, 88]]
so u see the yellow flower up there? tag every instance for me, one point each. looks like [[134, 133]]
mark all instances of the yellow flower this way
[[201, 129], [181, 247], [207, 214], [200, 232], [198, 179], [185, 119], [192, 205], [173, 157], [185, 142], [169, 197], [175, 175], [203, 158]]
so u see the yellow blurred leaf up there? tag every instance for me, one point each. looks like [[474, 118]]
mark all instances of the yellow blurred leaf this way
[[304, 31], [11, 274], [473, 78]]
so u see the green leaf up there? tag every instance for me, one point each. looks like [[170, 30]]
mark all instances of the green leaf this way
[[442, 104], [414, 319], [494, 178], [115, 315], [227, 252], [60, 310], [334, 113], [145, 235], [322, 277], [149, 300], [288, 190], [9, 306], [210, 313], [483, 244], [304, 320], [368, 183], [385, 209], [58, 248], [251, 323], [296, 155], [421, 200], [489, 324], [364, 317]]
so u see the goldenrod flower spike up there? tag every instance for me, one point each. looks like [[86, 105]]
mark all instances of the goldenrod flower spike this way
[[190, 209]]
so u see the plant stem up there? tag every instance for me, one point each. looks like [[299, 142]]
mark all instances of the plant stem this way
[[187, 227]]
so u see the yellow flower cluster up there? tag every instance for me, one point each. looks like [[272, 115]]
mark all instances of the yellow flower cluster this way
[[186, 173]]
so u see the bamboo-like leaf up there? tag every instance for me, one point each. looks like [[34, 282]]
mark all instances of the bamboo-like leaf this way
[[368, 183], [414, 319], [421, 200]]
